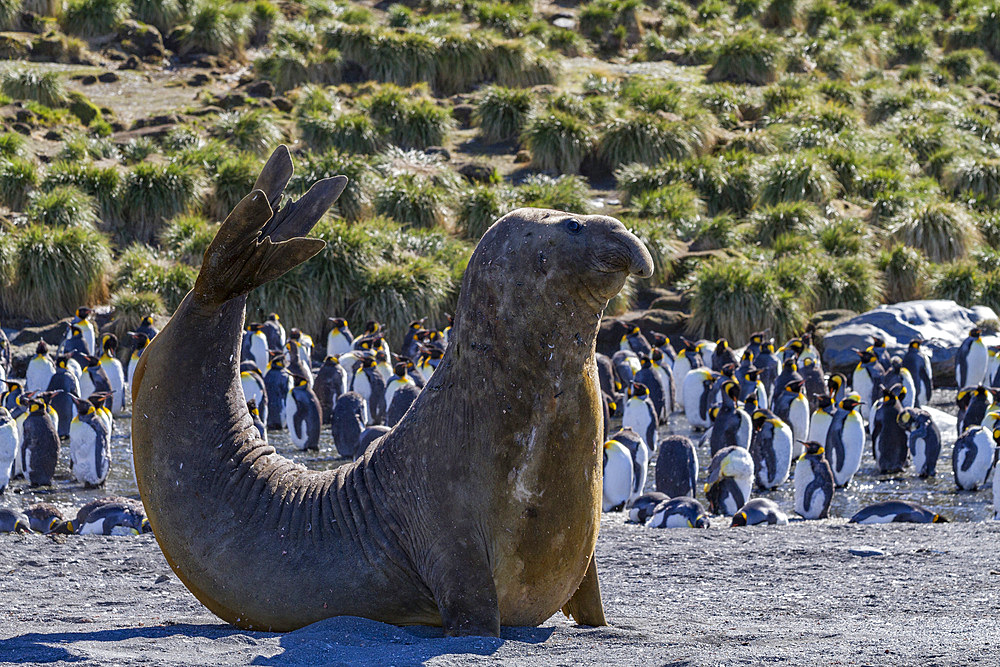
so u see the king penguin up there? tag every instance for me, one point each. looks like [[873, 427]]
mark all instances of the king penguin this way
[[115, 373], [640, 454], [340, 340], [923, 440], [89, 446], [760, 511], [350, 415], [867, 380], [771, 450], [302, 414], [67, 386], [680, 512], [813, 483], [732, 424], [39, 445], [695, 391], [330, 382], [652, 381], [889, 440], [274, 332], [972, 457], [298, 361], [792, 407], [258, 423], [918, 363], [896, 373], [642, 507], [677, 467], [822, 417], [255, 345], [277, 381], [640, 415], [369, 383], [896, 511], [89, 330], [730, 477], [636, 342], [768, 364], [617, 476], [973, 404], [8, 447], [139, 343], [845, 440], [971, 360], [254, 388], [40, 369], [146, 328]]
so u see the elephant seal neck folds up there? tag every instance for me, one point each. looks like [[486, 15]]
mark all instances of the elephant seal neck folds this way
[[463, 515]]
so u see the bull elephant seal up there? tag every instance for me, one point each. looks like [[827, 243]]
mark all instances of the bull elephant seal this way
[[480, 507]]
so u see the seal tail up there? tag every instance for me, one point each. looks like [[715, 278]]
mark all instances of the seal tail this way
[[256, 244]]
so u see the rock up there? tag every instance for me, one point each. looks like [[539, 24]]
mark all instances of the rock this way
[[282, 104], [865, 552], [140, 39], [565, 21], [478, 173], [25, 116], [260, 89], [943, 324], [199, 79], [233, 100], [50, 333], [89, 80], [21, 128], [522, 157], [83, 108], [462, 113], [667, 322], [53, 135], [440, 151], [153, 121], [131, 63], [14, 46], [108, 77]]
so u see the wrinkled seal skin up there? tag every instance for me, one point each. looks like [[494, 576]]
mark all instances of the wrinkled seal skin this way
[[481, 507]]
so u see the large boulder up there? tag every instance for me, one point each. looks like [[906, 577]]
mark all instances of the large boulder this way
[[943, 324], [667, 322]]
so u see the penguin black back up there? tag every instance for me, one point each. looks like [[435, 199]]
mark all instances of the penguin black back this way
[[677, 467], [349, 418]]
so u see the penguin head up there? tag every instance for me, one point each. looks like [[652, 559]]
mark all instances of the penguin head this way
[[790, 365], [332, 359], [866, 355], [808, 362], [338, 323], [657, 355], [273, 317], [75, 331], [294, 334], [976, 333], [62, 360], [368, 362], [658, 339], [371, 327], [638, 390], [83, 406], [252, 408], [812, 448], [644, 361], [713, 413], [760, 417], [796, 345], [141, 340], [147, 321], [109, 342], [915, 343], [299, 381], [757, 338], [417, 325], [824, 401], [35, 406], [750, 404], [721, 344], [438, 354], [878, 341], [939, 519], [905, 419], [42, 349], [835, 382], [768, 347], [795, 386], [747, 357], [739, 519], [732, 389], [612, 407], [83, 312], [400, 369], [996, 435], [381, 357], [850, 402]]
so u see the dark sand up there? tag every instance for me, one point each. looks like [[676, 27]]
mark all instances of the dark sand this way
[[793, 594]]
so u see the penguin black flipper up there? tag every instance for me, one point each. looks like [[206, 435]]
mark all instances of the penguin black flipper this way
[[815, 485]]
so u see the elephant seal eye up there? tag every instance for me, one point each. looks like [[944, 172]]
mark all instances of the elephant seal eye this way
[[574, 226]]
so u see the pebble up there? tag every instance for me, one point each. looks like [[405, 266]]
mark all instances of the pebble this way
[[864, 552]]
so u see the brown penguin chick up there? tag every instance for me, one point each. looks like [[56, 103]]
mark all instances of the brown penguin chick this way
[[463, 515]]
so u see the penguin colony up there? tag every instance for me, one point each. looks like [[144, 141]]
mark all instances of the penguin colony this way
[[770, 416]]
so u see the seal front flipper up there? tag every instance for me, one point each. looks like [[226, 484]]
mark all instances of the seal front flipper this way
[[585, 606], [461, 580]]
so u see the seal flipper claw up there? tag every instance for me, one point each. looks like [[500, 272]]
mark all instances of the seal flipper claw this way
[[585, 606]]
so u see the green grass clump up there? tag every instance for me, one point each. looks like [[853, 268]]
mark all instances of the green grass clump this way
[[251, 131], [959, 281], [11, 145], [162, 14], [845, 238], [93, 18], [848, 283], [904, 273], [480, 207], [780, 14], [46, 88], [797, 217], [63, 206], [564, 193], [943, 231], [10, 10], [796, 178], [187, 236], [557, 141], [648, 139], [408, 123], [101, 183], [233, 180], [151, 194], [216, 28], [349, 133], [18, 177], [980, 178], [141, 269], [410, 200], [356, 200], [676, 204], [635, 179], [502, 113], [735, 298], [128, 308], [55, 270], [746, 57]]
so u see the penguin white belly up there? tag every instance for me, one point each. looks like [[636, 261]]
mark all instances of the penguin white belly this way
[[390, 391], [385, 371], [665, 382], [617, 477], [762, 397], [853, 437], [8, 452], [925, 390], [681, 369], [92, 528], [876, 518], [258, 350], [116, 378], [18, 458], [670, 521], [363, 386], [337, 344], [707, 353], [803, 478], [640, 470], [54, 416], [83, 453], [919, 452], [782, 446], [862, 384], [298, 437], [982, 460], [693, 389], [89, 335], [819, 425], [86, 385], [744, 429], [637, 417], [3, 374], [37, 377], [910, 397], [975, 365], [798, 417]]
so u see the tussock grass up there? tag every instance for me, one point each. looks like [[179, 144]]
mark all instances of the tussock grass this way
[[648, 139], [409, 123], [959, 281], [93, 18], [141, 269], [558, 142], [164, 15], [676, 204], [979, 178], [215, 27], [251, 131], [128, 308], [10, 10], [746, 57], [101, 183], [349, 133], [186, 238], [904, 273], [151, 194], [846, 238], [18, 177], [362, 180], [46, 88], [11, 145], [943, 232], [63, 206], [661, 241], [233, 180], [734, 298], [55, 270], [795, 178], [564, 193], [480, 207], [849, 283], [797, 217], [502, 113], [410, 200]]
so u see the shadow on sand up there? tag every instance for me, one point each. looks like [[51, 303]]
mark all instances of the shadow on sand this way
[[339, 640]]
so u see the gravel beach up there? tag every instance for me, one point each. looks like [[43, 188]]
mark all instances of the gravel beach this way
[[924, 594]]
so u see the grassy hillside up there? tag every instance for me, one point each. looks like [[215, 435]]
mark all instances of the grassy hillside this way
[[831, 154]]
